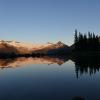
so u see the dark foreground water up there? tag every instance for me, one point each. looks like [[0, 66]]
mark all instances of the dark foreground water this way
[[47, 79]]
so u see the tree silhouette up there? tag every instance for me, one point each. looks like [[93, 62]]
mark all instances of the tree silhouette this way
[[85, 42], [76, 38]]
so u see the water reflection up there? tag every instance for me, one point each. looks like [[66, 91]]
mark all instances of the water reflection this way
[[89, 64], [83, 64], [21, 61], [78, 98], [50, 83]]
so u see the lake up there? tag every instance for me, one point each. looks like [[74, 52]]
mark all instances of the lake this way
[[48, 78]]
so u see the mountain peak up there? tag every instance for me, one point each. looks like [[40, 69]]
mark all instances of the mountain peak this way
[[60, 43]]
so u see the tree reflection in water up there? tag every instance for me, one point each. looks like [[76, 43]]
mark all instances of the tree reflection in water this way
[[78, 98], [87, 64]]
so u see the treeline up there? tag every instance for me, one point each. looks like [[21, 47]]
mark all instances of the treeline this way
[[89, 42]]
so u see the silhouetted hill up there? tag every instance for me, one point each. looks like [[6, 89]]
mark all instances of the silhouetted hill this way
[[72, 47]]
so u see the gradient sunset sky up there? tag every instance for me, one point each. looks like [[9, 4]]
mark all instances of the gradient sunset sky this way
[[41, 21]]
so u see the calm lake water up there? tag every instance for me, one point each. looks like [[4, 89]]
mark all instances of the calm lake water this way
[[47, 79]]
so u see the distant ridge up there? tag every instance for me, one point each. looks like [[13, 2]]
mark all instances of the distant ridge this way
[[52, 48], [25, 48]]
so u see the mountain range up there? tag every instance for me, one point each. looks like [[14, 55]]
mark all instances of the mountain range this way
[[27, 48]]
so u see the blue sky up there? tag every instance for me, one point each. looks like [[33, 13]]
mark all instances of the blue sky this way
[[40, 21]]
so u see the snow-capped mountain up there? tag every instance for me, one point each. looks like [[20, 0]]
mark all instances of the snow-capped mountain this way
[[52, 48], [15, 47], [28, 48]]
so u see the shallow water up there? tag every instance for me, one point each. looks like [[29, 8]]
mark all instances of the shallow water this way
[[42, 79]]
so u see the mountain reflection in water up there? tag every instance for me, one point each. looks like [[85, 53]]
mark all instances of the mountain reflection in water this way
[[18, 62], [83, 64]]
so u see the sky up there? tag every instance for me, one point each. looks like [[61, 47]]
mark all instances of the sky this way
[[42, 21]]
